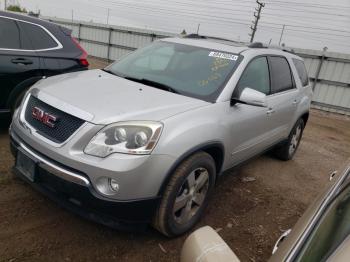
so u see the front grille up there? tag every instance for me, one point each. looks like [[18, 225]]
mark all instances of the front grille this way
[[64, 127]]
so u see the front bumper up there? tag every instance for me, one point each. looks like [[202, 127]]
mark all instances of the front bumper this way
[[138, 176], [80, 197]]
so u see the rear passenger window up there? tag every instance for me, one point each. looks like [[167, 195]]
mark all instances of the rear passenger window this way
[[302, 73], [9, 34], [256, 76], [37, 37], [281, 77]]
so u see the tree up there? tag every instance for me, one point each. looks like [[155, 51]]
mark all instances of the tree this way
[[16, 8]]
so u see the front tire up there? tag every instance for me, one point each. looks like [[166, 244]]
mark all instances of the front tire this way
[[186, 195], [289, 148]]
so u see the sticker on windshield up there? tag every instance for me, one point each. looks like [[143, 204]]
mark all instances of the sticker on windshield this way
[[223, 55]]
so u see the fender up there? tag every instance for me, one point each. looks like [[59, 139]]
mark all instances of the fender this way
[[200, 147], [20, 88]]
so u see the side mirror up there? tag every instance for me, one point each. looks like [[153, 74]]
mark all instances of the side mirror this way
[[251, 97]]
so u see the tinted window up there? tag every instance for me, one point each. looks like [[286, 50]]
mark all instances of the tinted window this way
[[281, 78], [302, 73], [9, 34], [256, 76], [37, 37]]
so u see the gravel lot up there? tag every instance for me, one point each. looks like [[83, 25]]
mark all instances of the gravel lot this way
[[251, 215]]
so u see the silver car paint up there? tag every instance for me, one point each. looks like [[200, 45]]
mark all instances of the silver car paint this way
[[104, 96], [101, 98]]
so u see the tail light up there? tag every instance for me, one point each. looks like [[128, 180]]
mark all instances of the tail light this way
[[83, 58]]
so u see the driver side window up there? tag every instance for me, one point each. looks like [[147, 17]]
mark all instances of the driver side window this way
[[256, 76]]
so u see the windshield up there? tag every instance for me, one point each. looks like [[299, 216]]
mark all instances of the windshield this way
[[187, 70]]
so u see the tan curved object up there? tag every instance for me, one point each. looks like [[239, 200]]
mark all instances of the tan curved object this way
[[205, 245], [342, 253]]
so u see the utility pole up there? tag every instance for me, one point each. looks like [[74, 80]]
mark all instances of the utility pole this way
[[279, 43], [198, 28], [108, 16], [72, 16], [257, 17], [5, 5]]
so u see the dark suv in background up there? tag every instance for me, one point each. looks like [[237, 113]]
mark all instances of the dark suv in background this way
[[31, 49]]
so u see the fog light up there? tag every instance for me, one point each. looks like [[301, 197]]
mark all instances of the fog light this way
[[107, 186], [113, 184]]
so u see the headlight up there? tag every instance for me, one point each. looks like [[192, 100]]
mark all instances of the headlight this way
[[136, 137]]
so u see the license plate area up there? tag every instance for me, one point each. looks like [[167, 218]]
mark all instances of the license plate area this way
[[26, 165]]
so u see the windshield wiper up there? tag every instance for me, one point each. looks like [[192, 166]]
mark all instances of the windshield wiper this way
[[111, 72], [108, 71], [153, 83]]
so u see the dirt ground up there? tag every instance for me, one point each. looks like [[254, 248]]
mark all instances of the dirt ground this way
[[249, 215]]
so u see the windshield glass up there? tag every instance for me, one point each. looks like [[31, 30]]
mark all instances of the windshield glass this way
[[187, 70]]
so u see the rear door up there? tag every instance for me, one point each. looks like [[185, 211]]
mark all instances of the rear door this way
[[283, 100], [46, 46], [17, 61]]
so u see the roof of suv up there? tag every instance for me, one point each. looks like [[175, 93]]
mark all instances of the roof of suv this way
[[227, 46], [28, 18]]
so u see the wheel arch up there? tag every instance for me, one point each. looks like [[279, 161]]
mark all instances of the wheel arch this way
[[215, 149], [20, 88], [305, 117]]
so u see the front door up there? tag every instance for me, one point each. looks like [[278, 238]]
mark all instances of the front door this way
[[250, 126]]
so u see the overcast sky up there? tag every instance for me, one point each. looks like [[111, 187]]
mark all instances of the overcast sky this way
[[309, 23]]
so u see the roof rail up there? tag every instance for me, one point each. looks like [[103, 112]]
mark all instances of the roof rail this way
[[257, 45], [261, 45], [289, 51], [197, 36], [282, 48]]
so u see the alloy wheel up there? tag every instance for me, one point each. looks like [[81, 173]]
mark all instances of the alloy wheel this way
[[191, 195], [295, 140]]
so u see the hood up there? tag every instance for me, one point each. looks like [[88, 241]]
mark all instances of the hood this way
[[102, 98]]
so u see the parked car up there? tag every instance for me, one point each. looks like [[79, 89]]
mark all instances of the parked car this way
[[31, 49], [143, 140], [321, 234]]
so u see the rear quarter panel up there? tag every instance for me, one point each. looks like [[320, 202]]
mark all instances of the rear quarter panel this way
[[305, 93], [60, 60]]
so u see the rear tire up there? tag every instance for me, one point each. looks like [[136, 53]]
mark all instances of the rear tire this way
[[286, 151], [186, 195]]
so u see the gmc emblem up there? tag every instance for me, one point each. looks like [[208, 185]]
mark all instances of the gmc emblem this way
[[44, 117]]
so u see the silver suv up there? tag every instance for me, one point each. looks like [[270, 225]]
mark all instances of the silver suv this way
[[143, 140]]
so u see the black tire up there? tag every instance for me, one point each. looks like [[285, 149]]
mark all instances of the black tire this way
[[283, 152], [166, 220]]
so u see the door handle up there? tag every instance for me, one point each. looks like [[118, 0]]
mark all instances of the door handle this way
[[270, 111], [22, 61], [295, 102]]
